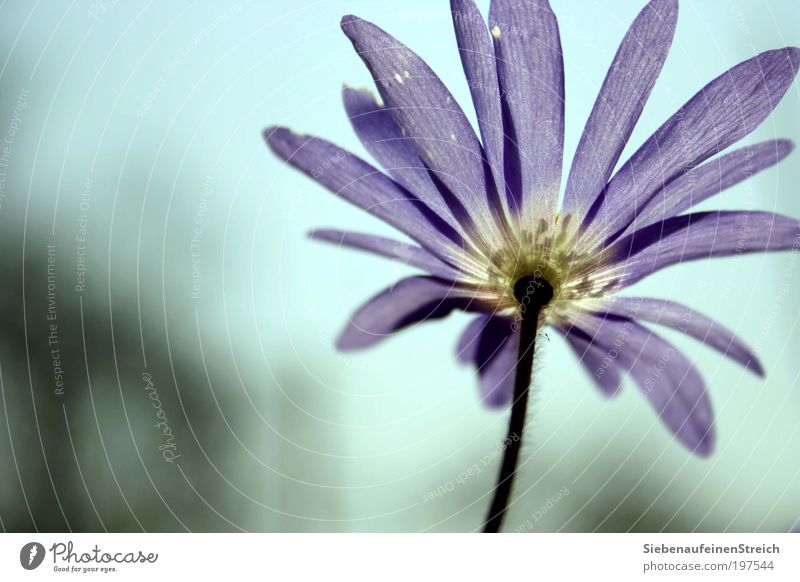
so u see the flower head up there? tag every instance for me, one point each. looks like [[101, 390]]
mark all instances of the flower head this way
[[484, 211]]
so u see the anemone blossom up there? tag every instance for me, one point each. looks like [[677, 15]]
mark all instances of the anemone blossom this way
[[485, 218]]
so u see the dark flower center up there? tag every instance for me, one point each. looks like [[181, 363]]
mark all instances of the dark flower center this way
[[533, 290]]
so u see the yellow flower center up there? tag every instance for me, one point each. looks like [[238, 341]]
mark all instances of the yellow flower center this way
[[550, 251]]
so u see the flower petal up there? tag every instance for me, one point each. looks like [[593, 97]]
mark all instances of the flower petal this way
[[390, 248], [601, 367], [426, 110], [384, 140], [490, 343], [688, 321], [698, 184], [626, 88], [667, 377], [724, 111], [467, 347], [480, 69], [409, 301], [530, 69], [698, 236], [363, 185]]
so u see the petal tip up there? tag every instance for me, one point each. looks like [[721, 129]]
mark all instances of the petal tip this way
[[348, 21], [283, 142], [793, 53], [273, 136], [705, 448], [348, 342], [270, 131], [780, 54], [276, 133], [460, 5], [495, 394], [666, 8], [755, 366], [784, 147], [495, 400], [351, 92]]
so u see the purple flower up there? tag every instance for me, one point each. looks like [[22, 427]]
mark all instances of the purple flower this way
[[483, 211]]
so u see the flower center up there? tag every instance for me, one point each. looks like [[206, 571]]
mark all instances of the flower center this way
[[549, 266], [533, 290]]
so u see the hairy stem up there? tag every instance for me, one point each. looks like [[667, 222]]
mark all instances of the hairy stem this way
[[536, 294]]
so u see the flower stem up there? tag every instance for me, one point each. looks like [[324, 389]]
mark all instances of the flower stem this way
[[537, 293]]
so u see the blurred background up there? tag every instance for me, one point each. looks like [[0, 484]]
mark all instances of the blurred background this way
[[166, 349]]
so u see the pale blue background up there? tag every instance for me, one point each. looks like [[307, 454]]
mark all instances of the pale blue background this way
[[157, 101]]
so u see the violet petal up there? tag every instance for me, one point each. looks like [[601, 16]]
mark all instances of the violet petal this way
[[710, 178], [701, 235], [426, 111], [691, 322], [480, 70], [626, 88], [384, 140], [667, 377], [407, 302], [389, 248], [491, 344], [530, 69], [367, 187], [720, 114], [602, 368]]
